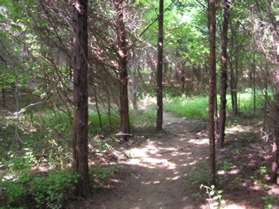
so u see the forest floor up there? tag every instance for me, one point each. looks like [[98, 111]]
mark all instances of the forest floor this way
[[165, 171]]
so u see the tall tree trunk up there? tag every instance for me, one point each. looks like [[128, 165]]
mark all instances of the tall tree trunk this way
[[17, 103], [216, 115], [212, 87], [224, 74], [275, 153], [80, 74], [266, 76], [134, 89], [254, 83], [122, 63], [109, 108], [97, 108], [233, 72], [275, 147], [159, 122]]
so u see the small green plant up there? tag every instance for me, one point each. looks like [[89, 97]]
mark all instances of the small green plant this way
[[141, 119], [227, 165], [263, 170], [100, 175], [49, 192], [53, 190], [13, 191], [215, 196], [269, 201], [199, 175]]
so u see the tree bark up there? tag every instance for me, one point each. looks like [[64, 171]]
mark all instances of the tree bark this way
[[109, 108], [212, 87], [134, 89], [122, 54], [98, 109], [224, 74], [80, 75], [275, 147], [275, 156], [159, 78], [234, 73], [254, 83]]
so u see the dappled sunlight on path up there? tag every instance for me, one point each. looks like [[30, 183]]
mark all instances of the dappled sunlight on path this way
[[158, 173], [154, 174]]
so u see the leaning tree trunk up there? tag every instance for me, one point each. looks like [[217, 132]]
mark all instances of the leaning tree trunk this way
[[122, 53], [212, 87], [159, 122], [80, 75], [224, 74]]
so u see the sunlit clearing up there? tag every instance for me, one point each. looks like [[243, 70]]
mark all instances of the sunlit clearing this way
[[234, 206], [173, 178], [151, 182], [149, 156], [239, 129], [204, 141], [232, 172], [146, 101]]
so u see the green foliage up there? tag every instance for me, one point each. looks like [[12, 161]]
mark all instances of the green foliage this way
[[50, 191], [140, 119], [199, 175], [197, 107], [100, 174], [11, 208], [226, 165], [13, 191], [192, 108], [108, 124], [215, 196], [269, 201], [263, 170]]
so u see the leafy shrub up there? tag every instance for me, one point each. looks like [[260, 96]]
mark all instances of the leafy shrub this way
[[51, 191], [215, 196], [100, 175], [108, 124], [140, 119], [11, 208], [13, 191], [269, 201], [47, 192]]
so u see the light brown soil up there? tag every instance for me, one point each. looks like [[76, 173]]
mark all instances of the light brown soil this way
[[156, 174]]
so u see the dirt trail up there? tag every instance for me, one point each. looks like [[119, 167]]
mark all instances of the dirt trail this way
[[154, 176]]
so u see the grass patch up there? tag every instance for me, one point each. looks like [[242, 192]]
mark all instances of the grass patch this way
[[48, 134], [197, 107], [49, 191], [192, 108], [140, 119], [200, 175]]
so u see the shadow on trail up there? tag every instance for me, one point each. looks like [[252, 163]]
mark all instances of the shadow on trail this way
[[244, 168], [165, 172], [154, 175]]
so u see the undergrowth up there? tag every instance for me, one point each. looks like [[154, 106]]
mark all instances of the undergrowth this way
[[197, 107], [46, 142]]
